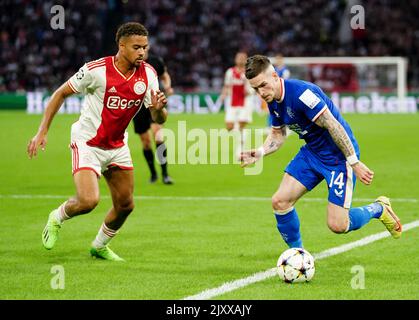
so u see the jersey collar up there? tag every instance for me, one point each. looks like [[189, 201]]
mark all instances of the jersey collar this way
[[282, 84], [117, 70]]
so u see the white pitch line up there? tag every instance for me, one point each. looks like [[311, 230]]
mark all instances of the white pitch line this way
[[260, 276], [194, 198]]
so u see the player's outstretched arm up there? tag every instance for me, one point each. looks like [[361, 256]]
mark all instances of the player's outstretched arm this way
[[340, 137], [157, 107], [273, 142], [54, 104]]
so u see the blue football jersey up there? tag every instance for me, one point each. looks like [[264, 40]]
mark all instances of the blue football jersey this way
[[302, 103]]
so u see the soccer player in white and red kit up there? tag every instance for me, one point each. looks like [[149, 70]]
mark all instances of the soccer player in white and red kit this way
[[236, 93], [115, 89]]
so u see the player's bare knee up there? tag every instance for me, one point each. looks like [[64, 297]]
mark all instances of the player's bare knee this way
[[337, 226], [229, 126], [87, 203], [124, 207], [281, 204]]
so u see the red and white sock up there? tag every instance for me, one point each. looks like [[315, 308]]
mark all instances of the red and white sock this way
[[103, 236], [60, 214]]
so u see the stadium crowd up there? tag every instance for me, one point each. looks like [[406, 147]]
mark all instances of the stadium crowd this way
[[197, 38]]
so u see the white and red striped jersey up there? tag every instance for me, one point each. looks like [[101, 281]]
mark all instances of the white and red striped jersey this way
[[239, 85], [111, 100]]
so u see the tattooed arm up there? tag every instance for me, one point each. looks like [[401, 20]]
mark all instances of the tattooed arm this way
[[327, 121], [340, 137], [273, 142]]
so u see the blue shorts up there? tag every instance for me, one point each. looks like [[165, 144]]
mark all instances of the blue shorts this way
[[310, 171]]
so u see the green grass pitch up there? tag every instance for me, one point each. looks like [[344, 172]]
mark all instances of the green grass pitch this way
[[177, 247]]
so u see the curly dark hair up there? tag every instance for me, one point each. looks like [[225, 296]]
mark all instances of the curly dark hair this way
[[255, 65], [129, 29]]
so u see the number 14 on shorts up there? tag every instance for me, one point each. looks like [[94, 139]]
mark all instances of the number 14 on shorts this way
[[336, 180]]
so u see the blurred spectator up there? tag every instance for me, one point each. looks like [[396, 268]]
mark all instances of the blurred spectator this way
[[197, 38]]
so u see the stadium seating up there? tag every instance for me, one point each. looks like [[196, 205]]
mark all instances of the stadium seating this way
[[198, 39]]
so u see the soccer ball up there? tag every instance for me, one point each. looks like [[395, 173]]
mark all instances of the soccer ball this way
[[295, 265]]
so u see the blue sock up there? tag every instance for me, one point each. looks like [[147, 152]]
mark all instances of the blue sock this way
[[362, 215], [289, 227]]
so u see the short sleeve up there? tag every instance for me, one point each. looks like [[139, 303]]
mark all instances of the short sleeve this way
[[153, 84], [276, 122], [81, 80], [312, 104], [228, 78]]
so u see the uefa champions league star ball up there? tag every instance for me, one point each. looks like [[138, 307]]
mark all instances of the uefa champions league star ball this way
[[295, 265]]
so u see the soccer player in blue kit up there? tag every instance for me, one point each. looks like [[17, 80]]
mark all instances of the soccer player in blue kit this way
[[282, 71], [331, 152]]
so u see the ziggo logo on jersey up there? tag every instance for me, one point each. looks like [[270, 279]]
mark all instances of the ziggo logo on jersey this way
[[115, 102]]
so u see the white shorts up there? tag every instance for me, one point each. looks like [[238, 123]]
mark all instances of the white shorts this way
[[240, 113], [85, 157]]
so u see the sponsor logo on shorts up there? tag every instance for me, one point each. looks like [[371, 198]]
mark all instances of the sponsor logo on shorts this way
[[339, 193]]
